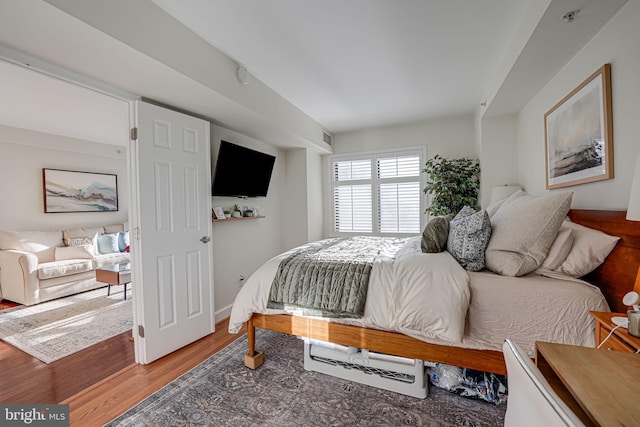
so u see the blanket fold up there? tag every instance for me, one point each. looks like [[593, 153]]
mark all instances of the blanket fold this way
[[329, 278]]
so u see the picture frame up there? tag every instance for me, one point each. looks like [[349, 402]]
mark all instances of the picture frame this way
[[77, 191], [218, 212], [579, 134]]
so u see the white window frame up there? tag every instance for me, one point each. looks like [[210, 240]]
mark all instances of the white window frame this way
[[374, 181]]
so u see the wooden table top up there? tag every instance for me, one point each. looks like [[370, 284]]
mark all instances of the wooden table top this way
[[606, 384]]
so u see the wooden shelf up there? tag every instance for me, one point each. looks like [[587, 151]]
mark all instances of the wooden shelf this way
[[242, 218]]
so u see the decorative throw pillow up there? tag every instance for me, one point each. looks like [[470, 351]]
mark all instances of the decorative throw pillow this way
[[91, 242], [589, 250], [108, 243], [469, 234], [435, 235], [524, 228], [123, 241]]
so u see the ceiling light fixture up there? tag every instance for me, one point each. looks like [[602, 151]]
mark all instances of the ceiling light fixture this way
[[570, 16]]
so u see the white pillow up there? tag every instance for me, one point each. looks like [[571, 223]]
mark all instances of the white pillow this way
[[74, 252], [523, 229], [559, 249], [589, 250]]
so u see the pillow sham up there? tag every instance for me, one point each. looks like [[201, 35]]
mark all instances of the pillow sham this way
[[108, 243], [74, 252], [559, 249], [524, 228], [435, 235], [589, 250], [469, 234]]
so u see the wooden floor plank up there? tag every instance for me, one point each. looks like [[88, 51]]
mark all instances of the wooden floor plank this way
[[123, 390]]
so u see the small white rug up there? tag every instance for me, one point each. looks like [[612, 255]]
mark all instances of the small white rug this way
[[55, 329]]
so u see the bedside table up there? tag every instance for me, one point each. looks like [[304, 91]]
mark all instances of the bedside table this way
[[620, 340]]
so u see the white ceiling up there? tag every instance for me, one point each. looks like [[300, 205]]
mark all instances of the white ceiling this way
[[362, 63]]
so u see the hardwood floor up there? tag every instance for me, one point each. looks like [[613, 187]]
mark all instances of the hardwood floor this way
[[103, 381], [115, 395], [25, 379]]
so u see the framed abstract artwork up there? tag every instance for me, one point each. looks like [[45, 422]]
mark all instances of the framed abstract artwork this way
[[75, 191], [579, 134]]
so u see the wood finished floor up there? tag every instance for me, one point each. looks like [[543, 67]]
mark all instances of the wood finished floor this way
[[103, 381]]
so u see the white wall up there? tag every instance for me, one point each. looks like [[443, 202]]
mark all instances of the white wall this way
[[240, 247], [451, 137], [35, 101], [23, 155], [617, 43]]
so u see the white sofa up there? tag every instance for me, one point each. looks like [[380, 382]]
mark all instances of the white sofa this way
[[37, 266]]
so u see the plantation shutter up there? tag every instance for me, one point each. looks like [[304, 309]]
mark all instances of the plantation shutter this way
[[377, 193], [399, 194], [352, 198]]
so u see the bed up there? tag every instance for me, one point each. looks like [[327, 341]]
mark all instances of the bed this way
[[531, 315]]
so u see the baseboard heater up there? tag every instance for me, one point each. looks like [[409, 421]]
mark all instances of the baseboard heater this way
[[393, 373]]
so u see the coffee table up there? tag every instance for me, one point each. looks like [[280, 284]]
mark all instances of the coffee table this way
[[116, 274]]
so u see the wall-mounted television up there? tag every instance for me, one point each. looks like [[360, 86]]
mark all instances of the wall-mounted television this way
[[241, 172]]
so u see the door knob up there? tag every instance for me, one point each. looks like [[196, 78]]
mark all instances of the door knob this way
[[205, 239]]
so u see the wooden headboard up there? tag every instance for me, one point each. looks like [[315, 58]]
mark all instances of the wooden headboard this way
[[617, 275]]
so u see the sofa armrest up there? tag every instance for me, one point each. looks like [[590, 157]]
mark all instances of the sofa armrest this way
[[19, 276]]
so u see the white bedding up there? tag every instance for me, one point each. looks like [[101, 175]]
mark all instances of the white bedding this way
[[409, 295]]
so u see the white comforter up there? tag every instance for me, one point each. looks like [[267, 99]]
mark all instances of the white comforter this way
[[425, 296]]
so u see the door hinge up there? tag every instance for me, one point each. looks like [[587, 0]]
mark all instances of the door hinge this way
[[134, 134], [141, 331], [136, 233]]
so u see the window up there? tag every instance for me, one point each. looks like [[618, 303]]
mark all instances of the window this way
[[385, 186]]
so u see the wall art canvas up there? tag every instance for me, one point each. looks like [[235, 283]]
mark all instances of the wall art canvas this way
[[74, 191], [579, 134]]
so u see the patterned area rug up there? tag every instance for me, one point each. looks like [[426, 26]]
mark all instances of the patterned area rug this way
[[222, 392], [58, 328]]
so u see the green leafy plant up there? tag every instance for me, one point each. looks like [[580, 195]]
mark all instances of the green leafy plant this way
[[236, 208], [452, 184]]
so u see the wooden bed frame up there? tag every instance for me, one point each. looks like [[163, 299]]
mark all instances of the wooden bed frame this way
[[615, 277]]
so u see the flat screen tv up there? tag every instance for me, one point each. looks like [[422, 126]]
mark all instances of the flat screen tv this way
[[241, 172]]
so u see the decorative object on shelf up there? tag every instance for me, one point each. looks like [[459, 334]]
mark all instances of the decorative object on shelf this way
[[237, 213], [579, 134], [453, 183], [227, 214], [218, 212], [75, 191], [248, 213]]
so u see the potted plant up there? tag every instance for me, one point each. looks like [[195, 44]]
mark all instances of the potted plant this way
[[248, 212], [452, 184], [237, 213], [227, 214]]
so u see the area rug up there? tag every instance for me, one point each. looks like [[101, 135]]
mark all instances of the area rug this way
[[55, 329], [221, 391]]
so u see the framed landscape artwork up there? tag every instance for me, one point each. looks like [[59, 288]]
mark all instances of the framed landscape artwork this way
[[74, 191], [579, 134]]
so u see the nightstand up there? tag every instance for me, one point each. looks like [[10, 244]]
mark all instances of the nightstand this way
[[620, 339]]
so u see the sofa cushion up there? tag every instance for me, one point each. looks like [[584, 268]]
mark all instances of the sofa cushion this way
[[40, 243], [49, 270], [110, 259], [90, 243], [123, 240], [74, 252]]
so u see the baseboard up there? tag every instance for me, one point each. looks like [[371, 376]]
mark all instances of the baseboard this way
[[223, 313]]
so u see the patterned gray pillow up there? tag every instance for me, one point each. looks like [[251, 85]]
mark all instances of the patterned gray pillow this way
[[435, 234], [469, 234]]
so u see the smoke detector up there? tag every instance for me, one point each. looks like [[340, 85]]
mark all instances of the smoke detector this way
[[242, 75]]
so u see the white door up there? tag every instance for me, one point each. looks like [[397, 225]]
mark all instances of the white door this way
[[171, 223]]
